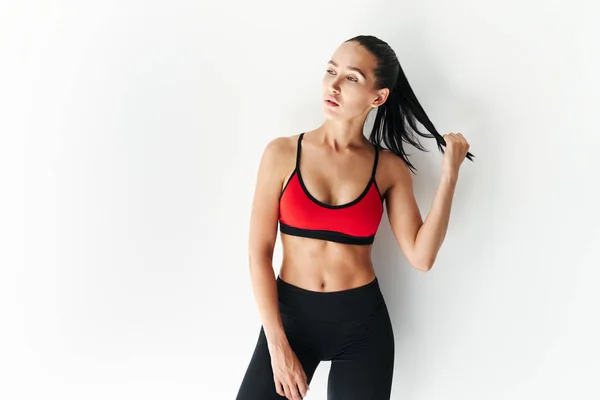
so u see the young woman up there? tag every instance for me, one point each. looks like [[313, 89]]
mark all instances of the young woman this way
[[326, 189]]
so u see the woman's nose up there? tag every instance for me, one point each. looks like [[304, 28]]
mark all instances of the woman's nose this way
[[334, 86]]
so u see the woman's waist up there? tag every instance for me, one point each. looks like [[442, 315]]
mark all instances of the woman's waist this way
[[324, 277], [328, 291], [356, 301]]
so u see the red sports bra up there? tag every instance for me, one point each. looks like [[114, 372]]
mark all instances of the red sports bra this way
[[356, 222]]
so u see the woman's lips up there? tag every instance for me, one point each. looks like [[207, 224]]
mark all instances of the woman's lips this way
[[330, 101]]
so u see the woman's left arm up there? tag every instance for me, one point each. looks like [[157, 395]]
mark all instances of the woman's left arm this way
[[421, 241]]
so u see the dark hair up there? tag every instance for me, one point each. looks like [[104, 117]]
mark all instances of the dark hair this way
[[401, 105]]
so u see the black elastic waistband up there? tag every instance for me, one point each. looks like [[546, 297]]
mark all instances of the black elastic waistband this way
[[335, 306]]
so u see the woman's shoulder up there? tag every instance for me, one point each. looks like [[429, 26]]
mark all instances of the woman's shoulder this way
[[282, 146], [280, 151], [392, 162], [392, 170]]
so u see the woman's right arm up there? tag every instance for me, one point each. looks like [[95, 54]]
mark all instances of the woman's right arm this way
[[277, 160], [263, 234]]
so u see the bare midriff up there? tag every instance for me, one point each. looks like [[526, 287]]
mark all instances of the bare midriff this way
[[324, 266]]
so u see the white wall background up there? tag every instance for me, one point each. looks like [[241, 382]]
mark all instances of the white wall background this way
[[131, 135]]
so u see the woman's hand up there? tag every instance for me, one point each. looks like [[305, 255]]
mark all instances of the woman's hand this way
[[455, 152], [289, 376]]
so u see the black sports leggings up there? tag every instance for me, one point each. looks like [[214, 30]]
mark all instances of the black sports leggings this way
[[351, 328]]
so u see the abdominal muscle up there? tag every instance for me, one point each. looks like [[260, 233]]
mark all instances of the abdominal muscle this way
[[324, 266]]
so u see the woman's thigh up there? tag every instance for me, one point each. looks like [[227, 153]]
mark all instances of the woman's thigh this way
[[364, 368], [258, 382]]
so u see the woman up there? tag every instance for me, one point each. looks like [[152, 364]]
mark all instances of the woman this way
[[326, 190]]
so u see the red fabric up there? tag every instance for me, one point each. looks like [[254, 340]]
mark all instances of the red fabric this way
[[362, 218]]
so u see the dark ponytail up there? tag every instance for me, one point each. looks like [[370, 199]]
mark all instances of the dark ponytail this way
[[401, 107]]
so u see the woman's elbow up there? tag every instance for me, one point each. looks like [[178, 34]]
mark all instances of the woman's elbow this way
[[423, 265]]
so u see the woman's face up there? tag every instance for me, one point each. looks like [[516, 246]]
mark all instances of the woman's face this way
[[349, 80]]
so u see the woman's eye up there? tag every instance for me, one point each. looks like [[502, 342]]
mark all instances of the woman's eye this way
[[352, 79]]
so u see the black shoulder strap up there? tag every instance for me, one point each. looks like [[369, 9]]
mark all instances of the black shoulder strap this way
[[376, 160], [299, 147]]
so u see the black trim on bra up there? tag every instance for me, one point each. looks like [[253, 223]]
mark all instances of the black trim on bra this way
[[375, 171], [287, 183], [331, 236], [378, 191], [375, 162], [298, 148], [296, 169], [334, 206]]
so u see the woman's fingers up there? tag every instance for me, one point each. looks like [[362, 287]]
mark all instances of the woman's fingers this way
[[302, 385], [279, 387]]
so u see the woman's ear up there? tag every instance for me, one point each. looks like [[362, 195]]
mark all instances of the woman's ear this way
[[382, 96]]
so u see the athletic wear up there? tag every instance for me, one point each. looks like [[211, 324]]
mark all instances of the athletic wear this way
[[356, 222], [351, 328]]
